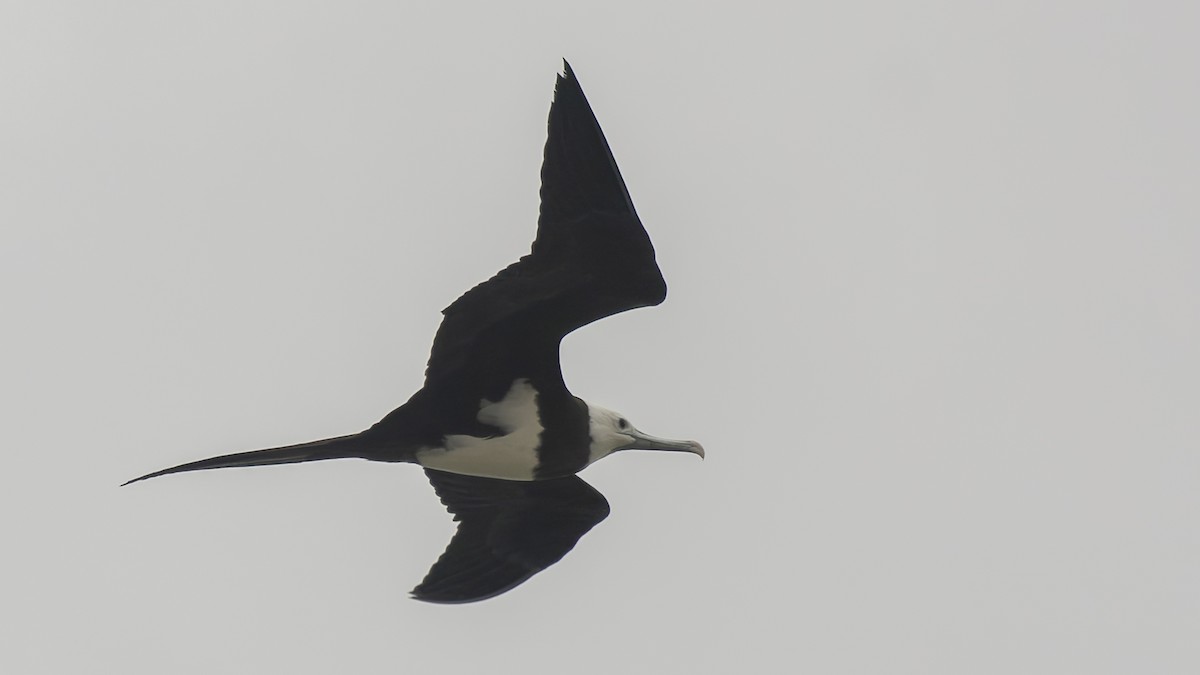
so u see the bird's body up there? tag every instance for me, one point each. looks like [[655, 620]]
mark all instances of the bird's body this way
[[497, 430]]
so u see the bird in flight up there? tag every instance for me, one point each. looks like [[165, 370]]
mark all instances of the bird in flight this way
[[494, 422]]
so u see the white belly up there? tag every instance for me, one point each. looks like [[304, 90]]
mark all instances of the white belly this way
[[512, 456]]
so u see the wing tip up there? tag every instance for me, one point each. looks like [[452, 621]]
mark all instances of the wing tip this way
[[566, 78], [447, 592]]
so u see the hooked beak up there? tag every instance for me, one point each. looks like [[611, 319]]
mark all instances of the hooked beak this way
[[643, 441]]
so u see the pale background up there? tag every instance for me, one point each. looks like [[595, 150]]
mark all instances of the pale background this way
[[933, 312]]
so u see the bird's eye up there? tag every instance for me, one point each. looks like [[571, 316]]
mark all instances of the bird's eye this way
[[622, 424]]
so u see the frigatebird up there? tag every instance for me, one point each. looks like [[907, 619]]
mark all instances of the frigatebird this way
[[494, 404]]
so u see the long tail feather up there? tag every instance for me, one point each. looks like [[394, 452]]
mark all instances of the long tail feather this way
[[329, 448]]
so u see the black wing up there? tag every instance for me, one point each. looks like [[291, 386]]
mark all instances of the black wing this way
[[508, 531], [579, 173], [591, 259]]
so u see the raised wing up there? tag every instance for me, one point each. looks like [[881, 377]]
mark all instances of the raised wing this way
[[591, 259], [508, 531], [579, 173]]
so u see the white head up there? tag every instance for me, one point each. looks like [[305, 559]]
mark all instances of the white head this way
[[610, 431]]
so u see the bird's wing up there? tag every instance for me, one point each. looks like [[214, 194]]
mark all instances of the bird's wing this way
[[579, 173], [508, 531], [591, 259]]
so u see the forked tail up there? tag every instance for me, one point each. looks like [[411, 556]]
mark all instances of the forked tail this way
[[329, 448]]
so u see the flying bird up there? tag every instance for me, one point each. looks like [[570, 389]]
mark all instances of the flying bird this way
[[494, 404]]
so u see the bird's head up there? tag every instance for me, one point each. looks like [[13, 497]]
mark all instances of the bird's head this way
[[611, 431]]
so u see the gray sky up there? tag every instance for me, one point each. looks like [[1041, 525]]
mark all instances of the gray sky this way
[[933, 313]]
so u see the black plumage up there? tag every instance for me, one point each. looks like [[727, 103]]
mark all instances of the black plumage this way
[[494, 405], [508, 531]]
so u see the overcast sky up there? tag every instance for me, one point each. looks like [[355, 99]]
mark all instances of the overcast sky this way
[[933, 314]]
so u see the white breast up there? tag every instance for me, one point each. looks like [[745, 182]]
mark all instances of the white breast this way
[[512, 456]]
